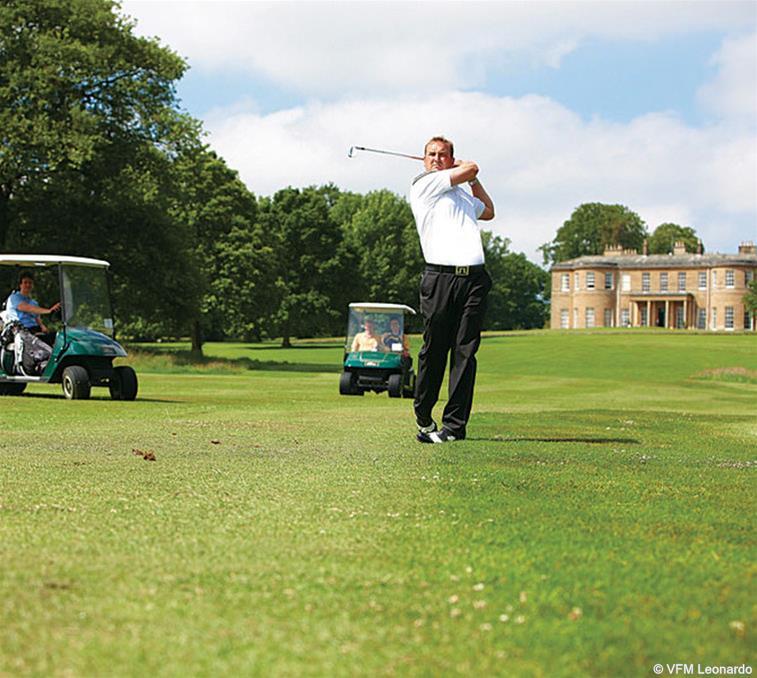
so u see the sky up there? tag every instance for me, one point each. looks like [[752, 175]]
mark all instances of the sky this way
[[652, 105]]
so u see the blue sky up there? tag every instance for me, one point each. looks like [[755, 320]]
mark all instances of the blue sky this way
[[648, 104], [616, 81]]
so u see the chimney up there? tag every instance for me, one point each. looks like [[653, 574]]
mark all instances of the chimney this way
[[613, 250], [747, 248], [645, 247], [699, 246], [679, 247]]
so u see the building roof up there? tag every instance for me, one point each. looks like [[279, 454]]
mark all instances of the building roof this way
[[634, 261]]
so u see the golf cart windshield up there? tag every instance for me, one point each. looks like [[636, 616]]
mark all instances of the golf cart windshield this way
[[86, 301], [375, 329]]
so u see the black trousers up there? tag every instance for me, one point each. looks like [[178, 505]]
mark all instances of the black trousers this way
[[453, 312]]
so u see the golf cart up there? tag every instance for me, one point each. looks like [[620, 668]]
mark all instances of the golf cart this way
[[377, 356], [83, 347]]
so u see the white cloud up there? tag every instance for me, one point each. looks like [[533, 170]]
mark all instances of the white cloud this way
[[539, 160], [733, 93], [320, 48]]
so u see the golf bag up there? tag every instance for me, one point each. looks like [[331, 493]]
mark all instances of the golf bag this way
[[31, 354]]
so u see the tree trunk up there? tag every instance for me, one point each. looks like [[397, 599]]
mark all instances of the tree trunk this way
[[4, 216], [196, 338], [285, 339]]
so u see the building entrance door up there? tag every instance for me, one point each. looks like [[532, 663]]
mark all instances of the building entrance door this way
[[661, 316]]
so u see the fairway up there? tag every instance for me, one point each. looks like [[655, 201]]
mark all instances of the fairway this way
[[597, 521]]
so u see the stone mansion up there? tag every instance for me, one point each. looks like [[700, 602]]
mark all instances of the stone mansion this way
[[622, 288]]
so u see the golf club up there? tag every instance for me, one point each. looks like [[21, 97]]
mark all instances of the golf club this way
[[376, 150]]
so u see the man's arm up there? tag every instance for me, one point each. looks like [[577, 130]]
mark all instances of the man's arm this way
[[462, 171], [480, 192]]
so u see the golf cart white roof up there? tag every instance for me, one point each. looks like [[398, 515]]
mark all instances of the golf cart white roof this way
[[379, 307], [49, 260]]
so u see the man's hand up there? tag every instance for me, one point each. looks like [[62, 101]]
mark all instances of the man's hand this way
[[54, 307]]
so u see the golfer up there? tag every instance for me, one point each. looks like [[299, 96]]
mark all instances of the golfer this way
[[453, 287]]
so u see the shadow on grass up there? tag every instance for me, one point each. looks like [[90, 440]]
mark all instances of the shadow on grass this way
[[558, 439], [202, 362]]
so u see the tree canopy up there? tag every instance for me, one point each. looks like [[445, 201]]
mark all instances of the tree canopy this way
[[591, 228], [666, 235]]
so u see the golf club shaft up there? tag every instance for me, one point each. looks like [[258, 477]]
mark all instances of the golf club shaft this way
[[376, 150]]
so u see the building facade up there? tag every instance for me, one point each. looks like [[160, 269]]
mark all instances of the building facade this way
[[622, 288]]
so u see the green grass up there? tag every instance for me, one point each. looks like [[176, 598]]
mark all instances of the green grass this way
[[597, 521]]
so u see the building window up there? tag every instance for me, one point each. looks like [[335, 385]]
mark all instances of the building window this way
[[747, 320], [575, 281], [644, 320], [625, 318], [608, 317], [575, 318], [645, 286], [729, 317], [626, 282], [565, 282], [608, 281], [679, 316], [682, 281], [590, 280], [702, 319], [714, 324], [589, 317], [702, 280], [748, 277], [664, 282], [730, 279], [564, 319]]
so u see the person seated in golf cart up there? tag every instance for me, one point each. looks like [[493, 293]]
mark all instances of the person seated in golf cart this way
[[368, 340], [24, 327], [395, 336], [21, 308]]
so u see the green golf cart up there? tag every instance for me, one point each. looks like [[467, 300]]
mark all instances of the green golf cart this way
[[80, 352], [377, 352]]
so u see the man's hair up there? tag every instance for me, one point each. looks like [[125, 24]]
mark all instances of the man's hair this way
[[442, 140], [24, 275]]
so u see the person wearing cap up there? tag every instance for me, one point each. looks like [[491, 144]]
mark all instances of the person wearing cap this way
[[453, 288]]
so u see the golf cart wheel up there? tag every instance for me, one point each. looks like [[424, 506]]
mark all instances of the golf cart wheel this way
[[11, 389], [347, 384], [123, 384], [76, 384], [395, 386]]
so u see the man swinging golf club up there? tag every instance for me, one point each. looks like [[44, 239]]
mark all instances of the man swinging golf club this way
[[453, 288]]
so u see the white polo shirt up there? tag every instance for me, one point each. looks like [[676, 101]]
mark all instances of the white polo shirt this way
[[446, 217]]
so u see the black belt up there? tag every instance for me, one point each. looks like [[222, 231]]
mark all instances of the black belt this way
[[456, 270]]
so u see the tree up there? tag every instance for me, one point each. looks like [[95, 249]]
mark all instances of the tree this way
[[520, 287], [666, 235], [591, 228], [311, 261], [75, 79], [234, 254], [382, 237]]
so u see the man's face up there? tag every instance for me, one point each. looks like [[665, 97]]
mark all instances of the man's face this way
[[394, 325], [25, 286], [437, 157], [369, 326]]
